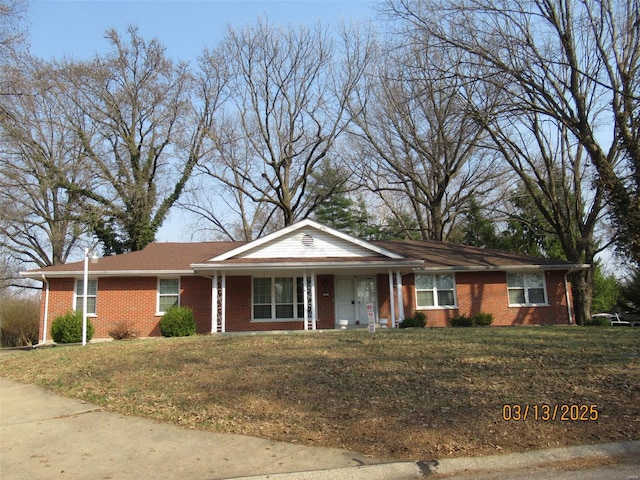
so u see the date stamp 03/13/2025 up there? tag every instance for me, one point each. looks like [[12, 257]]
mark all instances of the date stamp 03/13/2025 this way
[[515, 412]]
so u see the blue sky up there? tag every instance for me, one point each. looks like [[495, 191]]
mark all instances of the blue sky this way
[[76, 28]]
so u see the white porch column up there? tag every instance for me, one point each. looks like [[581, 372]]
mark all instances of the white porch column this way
[[45, 286], [400, 299], [214, 303], [392, 300], [305, 296], [223, 316], [314, 312]]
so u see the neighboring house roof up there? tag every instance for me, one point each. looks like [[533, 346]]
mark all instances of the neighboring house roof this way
[[335, 250]]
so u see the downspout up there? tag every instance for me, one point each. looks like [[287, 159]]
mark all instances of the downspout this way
[[46, 310]]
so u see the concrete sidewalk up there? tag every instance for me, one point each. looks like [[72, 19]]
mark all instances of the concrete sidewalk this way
[[44, 435]]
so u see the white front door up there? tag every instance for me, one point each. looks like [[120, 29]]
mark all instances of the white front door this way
[[352, 296]]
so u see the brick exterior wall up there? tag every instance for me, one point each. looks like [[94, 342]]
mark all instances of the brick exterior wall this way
[[132, 301], [195, 292], [489, 295], [238, 311]]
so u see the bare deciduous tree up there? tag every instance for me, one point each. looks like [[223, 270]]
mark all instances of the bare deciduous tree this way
[[557, 177], [288, 91], [12, 28], [419, 141], [40, 219], [143, 122], [576, 62], [558, 91]]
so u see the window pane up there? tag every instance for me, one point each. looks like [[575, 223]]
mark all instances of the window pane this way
[[284, 290], [445, 297], [300, 298], [300, 290], [92, 287], [91, 304], [425, 298], [516, 295], [169, 286], [424, 282], [284, 311], [166, 302], [444, 282], [536, 295], [535, 280], [262, 311], [515, 280], [262, 291]]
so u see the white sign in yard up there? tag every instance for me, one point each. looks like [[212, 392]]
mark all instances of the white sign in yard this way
[[371, 315]]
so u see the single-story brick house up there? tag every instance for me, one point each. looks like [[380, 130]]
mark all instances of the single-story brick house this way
[[307, 276]]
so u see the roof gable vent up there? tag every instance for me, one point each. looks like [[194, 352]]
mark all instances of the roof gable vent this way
[[307, 240]]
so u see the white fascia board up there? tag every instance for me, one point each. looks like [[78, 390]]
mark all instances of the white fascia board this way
[[105, 273], [503, 268], [336, 264], [301, 224]]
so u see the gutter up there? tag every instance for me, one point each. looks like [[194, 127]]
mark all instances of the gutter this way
[[504, 268], [36, 275]]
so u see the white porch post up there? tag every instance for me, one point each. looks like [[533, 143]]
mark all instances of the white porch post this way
[[314, 313], [305, 296], [223, 327], [46, 308], [392, 300], [85, 281], [400, 300], [214, 303]]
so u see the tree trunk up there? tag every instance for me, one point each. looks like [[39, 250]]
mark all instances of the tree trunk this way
[[582, 290]]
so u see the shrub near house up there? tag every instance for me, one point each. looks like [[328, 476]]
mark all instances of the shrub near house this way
[[67, 328], [178, 322], [418, 320], [477, 320], [19, 319]]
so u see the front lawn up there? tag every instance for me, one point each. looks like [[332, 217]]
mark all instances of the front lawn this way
[[410, 394]]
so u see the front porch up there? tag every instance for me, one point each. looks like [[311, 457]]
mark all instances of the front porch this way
[[304, 299]]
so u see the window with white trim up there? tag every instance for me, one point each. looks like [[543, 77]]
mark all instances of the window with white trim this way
[[434, 291], [278, 298], [92, 293], [168, 293], [527, 289]]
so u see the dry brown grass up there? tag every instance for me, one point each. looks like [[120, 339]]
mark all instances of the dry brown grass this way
[[417, 394]]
